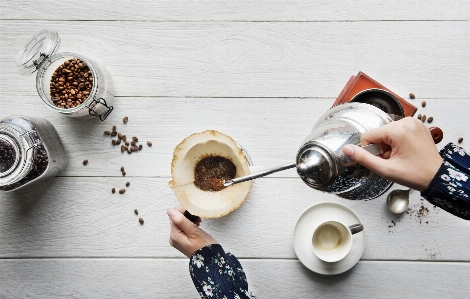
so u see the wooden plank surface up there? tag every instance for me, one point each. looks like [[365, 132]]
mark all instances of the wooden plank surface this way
[[238, 10], [79, 217], [150, 278], [256, 59], [262, 72], [271, 129]]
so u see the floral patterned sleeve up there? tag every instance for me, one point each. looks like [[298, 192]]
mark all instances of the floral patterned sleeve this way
[[450, 187], [217, 274]]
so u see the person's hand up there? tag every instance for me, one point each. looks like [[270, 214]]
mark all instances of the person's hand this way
[[186, 236], [409, 158]]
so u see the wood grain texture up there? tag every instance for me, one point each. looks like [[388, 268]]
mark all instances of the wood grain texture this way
[[79, 217], [149, 278], [237, 10], [256, 59], [270, 129]]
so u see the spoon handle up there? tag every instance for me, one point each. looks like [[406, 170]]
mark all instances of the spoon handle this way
[[258, 174]]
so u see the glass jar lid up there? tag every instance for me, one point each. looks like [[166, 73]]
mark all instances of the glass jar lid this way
[[43, 44], [22, 145]]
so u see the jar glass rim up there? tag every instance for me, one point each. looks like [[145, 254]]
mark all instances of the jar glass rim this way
[[42, 94]]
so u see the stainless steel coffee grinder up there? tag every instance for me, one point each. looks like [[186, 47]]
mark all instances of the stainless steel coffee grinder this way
[[363, 105]]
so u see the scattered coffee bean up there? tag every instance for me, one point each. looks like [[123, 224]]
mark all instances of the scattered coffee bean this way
[[132, 143], [122, 168], [430, 119], [71, 84], [85, 162], [123, 173], [136, 212], [135, 139], [149, 143], [127, 142], [114, 128], [412, 96], [113, 190], [107, 133], [114, 133], [140, 147], [127, 184], [124, 137], [113, 142], [126, 147], [141, 221], [460, 140], [125, 119], [119, 136], [419, 116], [121, 191], [423, 118], [423, 103], [129, 151], [118, 142], [122, 148]]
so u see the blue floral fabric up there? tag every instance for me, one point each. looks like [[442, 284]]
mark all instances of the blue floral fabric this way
[[217, 274], [450, 187]]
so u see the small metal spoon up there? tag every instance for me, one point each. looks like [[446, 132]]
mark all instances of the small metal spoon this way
[[398, 200], [258, 174]]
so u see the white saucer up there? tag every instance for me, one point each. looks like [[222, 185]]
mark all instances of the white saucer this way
[[303, 232]]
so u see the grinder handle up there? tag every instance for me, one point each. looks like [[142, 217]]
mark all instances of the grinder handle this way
[[436, 134]]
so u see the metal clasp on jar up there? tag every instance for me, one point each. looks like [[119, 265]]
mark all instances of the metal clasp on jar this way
[[92, 105]]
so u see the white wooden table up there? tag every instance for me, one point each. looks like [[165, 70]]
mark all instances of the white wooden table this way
[[261, 72]]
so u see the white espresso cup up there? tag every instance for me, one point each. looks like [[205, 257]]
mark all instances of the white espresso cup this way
[[332, 240]]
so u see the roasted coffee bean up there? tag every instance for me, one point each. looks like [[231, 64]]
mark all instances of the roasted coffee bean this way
[[7, 155], [65, 84], [133, 143], [113, 134], [127, 184], [430, 119], [122, 148], [136, 212], [121, 191], [113, 142], [122, 168], [141, 221], [127, 142], [423, 118], [140, 147], [129, 151], [149, 143], [119, 136], [460, 140], [126, 147], [113, 190], [419, 116], [124, 137], [423, 103], [114, 128], [412, 96], [135, 139], [118, 142], [125, 119], [123, 173], [85, 162]]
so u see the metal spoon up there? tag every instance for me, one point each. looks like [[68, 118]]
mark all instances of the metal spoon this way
[[398, 200]]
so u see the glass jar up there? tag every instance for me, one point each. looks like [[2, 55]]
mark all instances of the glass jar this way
[[30, 151], [39, 54]]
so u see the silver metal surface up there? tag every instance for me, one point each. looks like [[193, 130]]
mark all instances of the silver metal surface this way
[[398, 200], [258, 174], [321, 162]]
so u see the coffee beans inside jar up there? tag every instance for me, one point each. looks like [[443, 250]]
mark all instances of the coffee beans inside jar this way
[[41, 161], [210, 173], [71, 84], [7, 155]]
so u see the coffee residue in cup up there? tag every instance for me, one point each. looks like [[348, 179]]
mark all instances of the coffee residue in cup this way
[[211, 172]]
